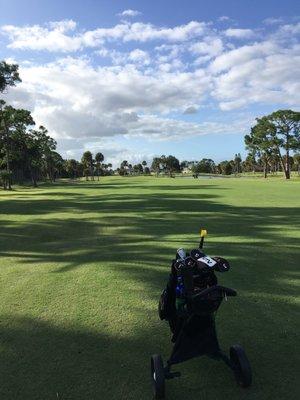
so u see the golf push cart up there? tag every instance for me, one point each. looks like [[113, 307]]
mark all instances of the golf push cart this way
[[188, 303]]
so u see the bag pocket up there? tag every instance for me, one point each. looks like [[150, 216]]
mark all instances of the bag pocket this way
[[163, 305]]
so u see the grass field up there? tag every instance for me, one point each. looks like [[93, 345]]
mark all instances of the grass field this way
[[83, 265]]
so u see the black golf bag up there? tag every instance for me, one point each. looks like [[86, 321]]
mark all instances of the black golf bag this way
[[189, 303]]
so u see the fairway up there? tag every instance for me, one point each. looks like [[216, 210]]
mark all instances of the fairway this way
[[83, 265]]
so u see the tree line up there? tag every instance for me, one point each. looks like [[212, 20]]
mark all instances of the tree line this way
[[273, 139], [252, 163], [28, 153]]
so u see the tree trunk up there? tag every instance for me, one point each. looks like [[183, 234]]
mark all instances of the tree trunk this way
[[7, 155], [33, 178], [265, 170], [283, 164], [92, 173], [287, 161]]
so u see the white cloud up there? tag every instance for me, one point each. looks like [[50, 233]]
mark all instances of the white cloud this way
[[290, 29], [52, 38], [124, 89], [114, 151], [145, 32], [258, 74], [272, 21], [129, 13], [243, 54], [78, 102], [239, 33], [64, 25], [55, 36], [139, 56], [192, 66], [224, 18], [159, 128], [74, 99], [211, 46]]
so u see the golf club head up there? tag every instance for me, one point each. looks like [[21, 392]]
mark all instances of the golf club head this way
[[179, 265], [180, 254], [189, 262], [222, 264], [196, 254]]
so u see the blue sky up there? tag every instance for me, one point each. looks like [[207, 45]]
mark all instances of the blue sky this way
[[135, 79]]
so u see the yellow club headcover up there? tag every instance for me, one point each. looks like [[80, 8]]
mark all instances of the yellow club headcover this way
[[203, 232]]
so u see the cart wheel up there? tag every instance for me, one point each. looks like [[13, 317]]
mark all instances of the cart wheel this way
[[241, 365], [158, 376]]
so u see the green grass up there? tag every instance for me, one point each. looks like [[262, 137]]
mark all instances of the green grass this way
[[83, 265]]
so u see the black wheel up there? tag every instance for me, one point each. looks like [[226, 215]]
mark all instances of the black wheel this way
[[241, 365], [158, 376]]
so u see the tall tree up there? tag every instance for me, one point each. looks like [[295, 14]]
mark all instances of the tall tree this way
[[206, 166], [172, 165], [276, 132], [13, 122], [250, 162], [72, 168], [88, 164], [138, 169], [99, 158], [287, 128], [42, 159], [155, 166], [51, 159], [123, 170], [237, 163], [260, 141], [9, 75], [225, 167], [144, 164]]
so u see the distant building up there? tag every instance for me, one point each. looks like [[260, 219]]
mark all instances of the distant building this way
[[187, 169]]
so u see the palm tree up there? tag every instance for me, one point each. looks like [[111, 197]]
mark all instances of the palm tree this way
[[87, 162], [237, 163], [99, 158], [124, 164], [144, 163]]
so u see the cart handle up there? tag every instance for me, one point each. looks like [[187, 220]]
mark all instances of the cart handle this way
[[225, 290]]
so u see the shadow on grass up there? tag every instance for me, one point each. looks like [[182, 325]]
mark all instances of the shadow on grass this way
[[41, 361], [146, 228], [135, 236]]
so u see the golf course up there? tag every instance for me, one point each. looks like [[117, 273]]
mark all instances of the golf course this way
[[83, 264]]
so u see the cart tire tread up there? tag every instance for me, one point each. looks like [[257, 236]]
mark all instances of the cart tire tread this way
[[241, 365], [158, 376]]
